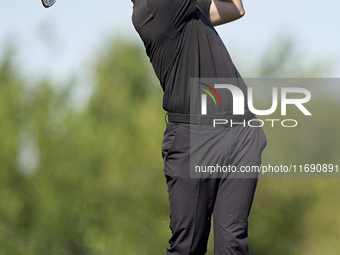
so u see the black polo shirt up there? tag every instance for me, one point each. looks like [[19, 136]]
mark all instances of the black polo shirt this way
[[182, 44]]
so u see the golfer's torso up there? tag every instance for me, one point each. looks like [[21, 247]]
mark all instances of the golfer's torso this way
[[182, 44]]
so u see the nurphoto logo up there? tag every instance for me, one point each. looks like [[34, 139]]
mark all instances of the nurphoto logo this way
[[239, 102]]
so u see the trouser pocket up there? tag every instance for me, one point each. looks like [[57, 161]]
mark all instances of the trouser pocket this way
[[169, 138]]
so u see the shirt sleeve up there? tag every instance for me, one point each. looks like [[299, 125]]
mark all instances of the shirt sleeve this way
[[205, 7]]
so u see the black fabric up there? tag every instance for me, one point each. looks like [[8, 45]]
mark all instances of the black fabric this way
[[194, 200], [205, 7], [182, 44]]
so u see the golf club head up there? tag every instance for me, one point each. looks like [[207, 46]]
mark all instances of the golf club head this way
[[48, 3]]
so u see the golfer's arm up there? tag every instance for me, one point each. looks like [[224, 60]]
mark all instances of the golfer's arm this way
[[224, 11]]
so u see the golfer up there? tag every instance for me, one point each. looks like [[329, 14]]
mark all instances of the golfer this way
[[182, 44]]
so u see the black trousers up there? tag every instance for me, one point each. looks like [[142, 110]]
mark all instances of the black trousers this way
[[193, 201]]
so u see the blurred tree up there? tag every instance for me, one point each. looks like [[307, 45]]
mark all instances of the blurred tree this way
[[288, 213], [72, 179]]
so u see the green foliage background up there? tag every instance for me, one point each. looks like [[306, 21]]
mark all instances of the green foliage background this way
[[90, 181]]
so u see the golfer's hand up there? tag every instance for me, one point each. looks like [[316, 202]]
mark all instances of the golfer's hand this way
[[224, 11]]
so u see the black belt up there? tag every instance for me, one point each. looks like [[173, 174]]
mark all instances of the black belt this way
[[209, 119]]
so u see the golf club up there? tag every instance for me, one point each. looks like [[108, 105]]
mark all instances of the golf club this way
[[48, 3]]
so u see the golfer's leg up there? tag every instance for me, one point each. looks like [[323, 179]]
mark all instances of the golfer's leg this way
[[232, 208], [190, 215], [235, 195], [191, 200]]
